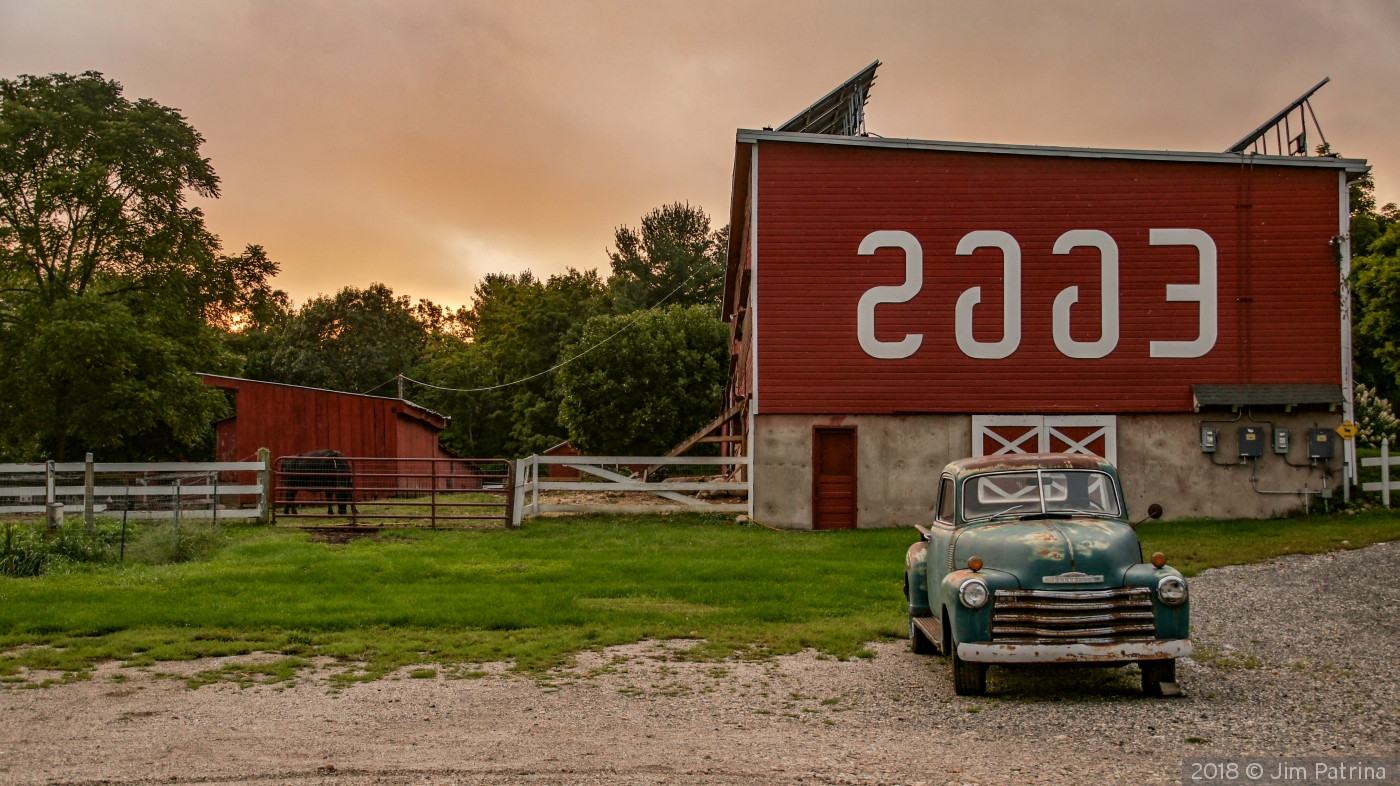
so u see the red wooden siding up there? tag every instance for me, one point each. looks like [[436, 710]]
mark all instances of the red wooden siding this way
[[288, 419], [1277, 304]]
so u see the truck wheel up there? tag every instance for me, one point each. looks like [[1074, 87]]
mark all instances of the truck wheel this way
[[1156, 672], [918, 642], [969, 679]]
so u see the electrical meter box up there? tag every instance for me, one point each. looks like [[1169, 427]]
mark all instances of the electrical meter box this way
[[1210, 439], [1251, 441], [1282, 438], [1322, 443]]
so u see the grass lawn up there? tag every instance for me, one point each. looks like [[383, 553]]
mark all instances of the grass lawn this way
[[535, 595]]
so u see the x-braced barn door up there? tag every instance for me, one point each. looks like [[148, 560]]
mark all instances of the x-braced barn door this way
[[1095, 435], [834, 478]]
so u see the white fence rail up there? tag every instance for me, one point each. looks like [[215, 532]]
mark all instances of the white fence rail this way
[[1385, 461], [529, 484], [138, 490]]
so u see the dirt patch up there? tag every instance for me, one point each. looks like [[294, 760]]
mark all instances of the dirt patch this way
[[1265, 684]]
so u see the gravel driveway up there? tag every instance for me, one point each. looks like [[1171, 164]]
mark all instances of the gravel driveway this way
[[1298, 656]]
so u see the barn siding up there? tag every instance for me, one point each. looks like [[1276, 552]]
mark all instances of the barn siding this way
[[288, 419], [1278, 311]]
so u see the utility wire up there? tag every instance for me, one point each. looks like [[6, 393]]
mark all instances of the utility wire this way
[[560, 365]]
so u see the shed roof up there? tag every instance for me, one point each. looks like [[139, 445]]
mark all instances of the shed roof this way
[[418, 411], [1265, 395]]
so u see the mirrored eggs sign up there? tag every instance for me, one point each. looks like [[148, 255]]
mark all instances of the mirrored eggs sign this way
[[905, 280]]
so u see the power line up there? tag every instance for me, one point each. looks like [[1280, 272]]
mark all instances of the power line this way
[[560, 365]]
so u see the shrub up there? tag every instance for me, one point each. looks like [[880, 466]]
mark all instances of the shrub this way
[[164, 544], [1375, 418]]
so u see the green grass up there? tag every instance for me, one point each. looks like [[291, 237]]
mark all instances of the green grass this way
[[1194, 545], [534, 596]]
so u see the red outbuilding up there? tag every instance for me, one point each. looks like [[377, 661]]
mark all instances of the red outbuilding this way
[[896, 304], [290, 419]]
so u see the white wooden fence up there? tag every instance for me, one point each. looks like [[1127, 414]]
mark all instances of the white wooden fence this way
[[1385, 461], [187, 489], [529, 484]]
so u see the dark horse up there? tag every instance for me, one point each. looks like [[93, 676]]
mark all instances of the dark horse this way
[[325, 471]]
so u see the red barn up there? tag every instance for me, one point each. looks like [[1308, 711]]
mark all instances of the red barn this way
[[290, 419], [896, 304]]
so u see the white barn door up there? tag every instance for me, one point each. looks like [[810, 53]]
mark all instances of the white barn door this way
[[1095, 435]]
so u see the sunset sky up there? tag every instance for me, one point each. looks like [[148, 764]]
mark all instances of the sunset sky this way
[[424, 144]]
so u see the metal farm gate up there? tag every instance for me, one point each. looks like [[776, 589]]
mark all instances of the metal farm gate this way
[[348, 490]]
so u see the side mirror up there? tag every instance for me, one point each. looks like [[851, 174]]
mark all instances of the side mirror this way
[[1154, 512]]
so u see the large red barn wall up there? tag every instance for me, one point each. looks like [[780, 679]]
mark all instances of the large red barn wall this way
[[290, 420], [1278, 315]]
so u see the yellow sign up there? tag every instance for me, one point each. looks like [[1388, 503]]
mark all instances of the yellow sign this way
[[1347, 430]]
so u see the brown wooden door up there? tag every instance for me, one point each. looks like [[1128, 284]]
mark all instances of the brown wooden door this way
[[834, 479]]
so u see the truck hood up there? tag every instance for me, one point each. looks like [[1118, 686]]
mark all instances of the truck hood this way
[[1040, 548]]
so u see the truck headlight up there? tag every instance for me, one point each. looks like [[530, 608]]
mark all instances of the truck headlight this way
[[1172, 590], [973, 593]]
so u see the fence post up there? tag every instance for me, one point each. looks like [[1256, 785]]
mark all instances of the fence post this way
[[535, 485], [177, 508], [88, 482], [265, 480], [1385, 471], [511, 479], [432, 495], [517, 509], [53, 509]]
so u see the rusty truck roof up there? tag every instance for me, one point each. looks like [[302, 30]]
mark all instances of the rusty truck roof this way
[[1012, 461]]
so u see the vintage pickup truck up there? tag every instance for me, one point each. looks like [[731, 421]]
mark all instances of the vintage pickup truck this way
[[1031, 559]]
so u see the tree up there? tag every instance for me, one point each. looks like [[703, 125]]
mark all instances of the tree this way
[[649, 387], [514, 333], [1375, 285], [674, 253], [112, 292], [356, 340]]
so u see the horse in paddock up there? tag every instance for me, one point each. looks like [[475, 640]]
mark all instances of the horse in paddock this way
[[325, 471]]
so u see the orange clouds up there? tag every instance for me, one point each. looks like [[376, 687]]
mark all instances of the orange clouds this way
[[425, 144]]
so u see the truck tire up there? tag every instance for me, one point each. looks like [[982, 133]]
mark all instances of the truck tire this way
[[969, 679], [918, 642], [1156, 672]]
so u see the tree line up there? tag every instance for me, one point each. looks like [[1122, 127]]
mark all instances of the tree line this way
[[114, 293]]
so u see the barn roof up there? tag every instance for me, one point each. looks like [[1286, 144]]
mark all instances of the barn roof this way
[[418, 411]]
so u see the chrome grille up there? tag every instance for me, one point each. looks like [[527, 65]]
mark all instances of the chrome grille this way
[[1072, 617]]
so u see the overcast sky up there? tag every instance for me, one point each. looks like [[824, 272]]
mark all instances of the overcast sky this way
[[424, 144]]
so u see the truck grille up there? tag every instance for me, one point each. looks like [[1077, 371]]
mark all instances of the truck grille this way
[[1073, 617]]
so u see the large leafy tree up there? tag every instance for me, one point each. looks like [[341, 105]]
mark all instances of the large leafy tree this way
[[1375, 244], [356, 340], [512, 336], [112, 291], [674, 257], [648, 388]]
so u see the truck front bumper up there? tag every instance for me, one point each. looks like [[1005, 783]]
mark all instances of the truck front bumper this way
[[1162, 649]]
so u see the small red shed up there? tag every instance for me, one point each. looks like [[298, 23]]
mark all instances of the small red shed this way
[[291, 419]]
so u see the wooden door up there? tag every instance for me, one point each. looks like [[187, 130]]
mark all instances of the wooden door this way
[[834, 479]]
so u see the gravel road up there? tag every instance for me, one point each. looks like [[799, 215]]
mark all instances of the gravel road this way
[[1298, 656]]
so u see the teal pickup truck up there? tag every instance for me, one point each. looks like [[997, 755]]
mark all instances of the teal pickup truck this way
[[1031, 559]]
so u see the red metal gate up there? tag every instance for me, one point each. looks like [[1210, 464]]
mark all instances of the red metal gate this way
[[356, 490]]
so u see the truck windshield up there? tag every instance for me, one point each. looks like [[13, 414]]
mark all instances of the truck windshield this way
[[1040, 491]]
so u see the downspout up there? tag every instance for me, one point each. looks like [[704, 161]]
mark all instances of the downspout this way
[[1348, 413], [753, 313]]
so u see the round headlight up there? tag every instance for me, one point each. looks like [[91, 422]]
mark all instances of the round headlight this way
[[1171, 590], [973, 593]]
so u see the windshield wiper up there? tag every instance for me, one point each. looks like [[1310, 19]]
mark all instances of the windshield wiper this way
[[1072, 511], [998, 513]]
